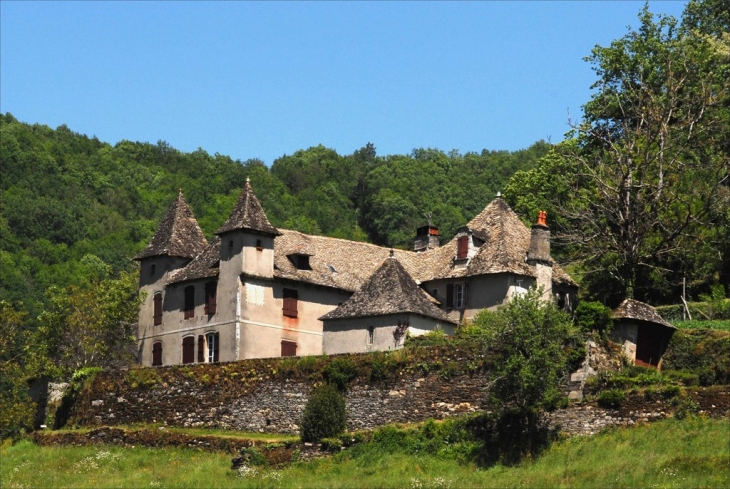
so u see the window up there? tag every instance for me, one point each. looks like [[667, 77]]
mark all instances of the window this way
[[157, 354], [210, 297], [371, 334], [291, 296], [188, 349], [201, 348], [455, 296], [213, 347], [288, 348], [459, 296], [157, 306], [300, 261], [189, 302], [259, 246], [462, 247]]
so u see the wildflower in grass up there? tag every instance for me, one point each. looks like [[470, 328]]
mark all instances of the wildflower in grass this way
[[416, 484], [245, 471]]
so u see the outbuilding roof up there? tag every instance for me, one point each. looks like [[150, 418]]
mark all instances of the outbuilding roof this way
[[178, 234], [633, 309], [389, 290], [248, 214]]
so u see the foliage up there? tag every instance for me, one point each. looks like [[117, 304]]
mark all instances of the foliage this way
[[704, 352], [527, 336], [16, 408], [611, 398], [339, 372], [718, 306], [593, 316], [91, 326], [720, 325], [324, 415]]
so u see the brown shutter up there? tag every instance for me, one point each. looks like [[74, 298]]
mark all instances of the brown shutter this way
[[201, 348], [291, 297], [157, 354], [188, 347], [462, 247], [157, 314], [288, 349], [189, 302], [210, 297], [215, 350], [450, 295]]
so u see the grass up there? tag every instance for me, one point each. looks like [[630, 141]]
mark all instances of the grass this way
[[221, 433], [667, 454], [719, 324]]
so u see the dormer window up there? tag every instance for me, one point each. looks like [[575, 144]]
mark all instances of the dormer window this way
[[259, 245], [300, 261], [462, 247]]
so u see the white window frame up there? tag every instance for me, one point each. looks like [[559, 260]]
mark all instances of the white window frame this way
[[458, 296], [210, 344]]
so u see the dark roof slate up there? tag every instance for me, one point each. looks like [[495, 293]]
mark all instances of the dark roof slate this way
[[247, 214], [390, 290], [178, 234], [633, 309], [203, 266]]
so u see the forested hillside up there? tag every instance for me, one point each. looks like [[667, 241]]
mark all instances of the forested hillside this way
[[74, 209]]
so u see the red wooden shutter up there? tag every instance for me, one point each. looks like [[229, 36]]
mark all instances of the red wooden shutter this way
[[210, 297], [157, 354], [291, 296], [288, 349], [188, 347], [462, 247], [201, 348], [450, 295], [216, 344], [157, 314]]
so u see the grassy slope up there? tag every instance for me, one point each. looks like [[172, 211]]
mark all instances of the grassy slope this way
[[691, 453]]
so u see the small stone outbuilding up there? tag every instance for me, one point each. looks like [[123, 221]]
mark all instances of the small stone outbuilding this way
[[642, 331]]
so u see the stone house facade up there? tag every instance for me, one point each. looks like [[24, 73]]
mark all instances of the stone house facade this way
[[256, 291]]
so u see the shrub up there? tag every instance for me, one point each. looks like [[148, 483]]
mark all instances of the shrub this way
[[339, 372], [593, 316], [324, 415], [611, 398]]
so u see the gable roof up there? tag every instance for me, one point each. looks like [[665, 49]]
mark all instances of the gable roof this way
[[247, 214], [178, 234], [390, 290], [633, 309]]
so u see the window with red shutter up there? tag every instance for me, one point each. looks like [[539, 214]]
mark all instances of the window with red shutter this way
[[450, 296], [210, 297], [188, 349], [462, 247], [291, 297], [189, 302], [157, 354], [201, 348], [157, 313], [288, 349], [216, 338]]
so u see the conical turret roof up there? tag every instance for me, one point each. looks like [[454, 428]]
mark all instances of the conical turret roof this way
[[389, 290], [178, 234], [248, 214]]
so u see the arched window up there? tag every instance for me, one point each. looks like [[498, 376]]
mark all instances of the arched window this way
[[157, 353], [188, 349]]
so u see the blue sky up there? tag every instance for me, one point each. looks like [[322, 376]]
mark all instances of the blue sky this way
[[260, 80]]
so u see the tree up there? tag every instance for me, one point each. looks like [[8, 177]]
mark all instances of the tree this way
[[90, 326], [528, 339], [649, 166]]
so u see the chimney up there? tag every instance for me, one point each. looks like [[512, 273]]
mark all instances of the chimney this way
[[427, 238], [539, 241]]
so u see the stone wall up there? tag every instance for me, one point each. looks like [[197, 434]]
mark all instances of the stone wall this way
[[269, 395]]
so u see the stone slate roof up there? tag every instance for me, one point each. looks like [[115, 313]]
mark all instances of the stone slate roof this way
[[633, 309], [178, 234], [390, 290], [248, 214], [506, 241], [203, 266], [335, 262]]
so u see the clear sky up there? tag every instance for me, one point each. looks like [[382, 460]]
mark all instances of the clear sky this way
[[259, 80]]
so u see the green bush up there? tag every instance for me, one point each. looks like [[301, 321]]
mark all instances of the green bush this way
[[324, 415], [339, 372], [612, 398], [593, 316]]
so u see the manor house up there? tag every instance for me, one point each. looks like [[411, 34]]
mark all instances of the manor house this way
[[257, 291]]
